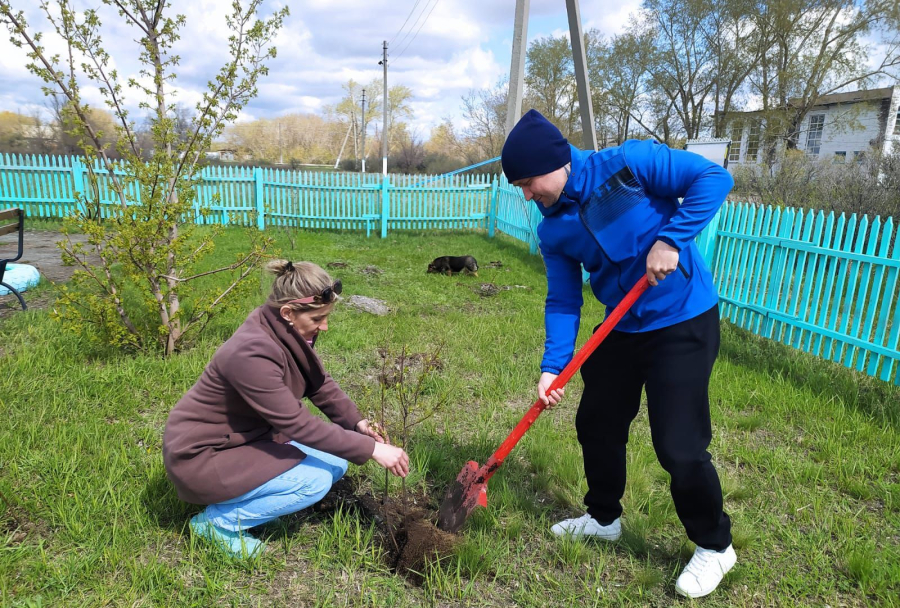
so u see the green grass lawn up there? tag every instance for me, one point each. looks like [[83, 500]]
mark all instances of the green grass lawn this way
[[808, 453]]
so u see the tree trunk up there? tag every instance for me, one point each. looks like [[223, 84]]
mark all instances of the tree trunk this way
[[169, 312]]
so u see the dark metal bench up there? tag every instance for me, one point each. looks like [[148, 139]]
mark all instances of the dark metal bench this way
[[19, 225]]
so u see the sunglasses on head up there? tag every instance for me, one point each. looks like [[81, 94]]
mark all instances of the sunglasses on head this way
[[327, 296]]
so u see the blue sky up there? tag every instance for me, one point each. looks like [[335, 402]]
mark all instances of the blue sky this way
[[461, 45]]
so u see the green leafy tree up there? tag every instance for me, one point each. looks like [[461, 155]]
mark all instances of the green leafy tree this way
[[684, 63], [737, 48], [399, 111], [814, 48], [150, 254], [14, 129], [103, 124], [349, 112], [550, 83], [619, 71], [446, 150]]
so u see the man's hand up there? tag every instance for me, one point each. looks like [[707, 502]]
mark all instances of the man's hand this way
[[553, 397], [661, 262], [372, 429]]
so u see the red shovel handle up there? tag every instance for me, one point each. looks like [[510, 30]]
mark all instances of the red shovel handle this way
[[560, 381]]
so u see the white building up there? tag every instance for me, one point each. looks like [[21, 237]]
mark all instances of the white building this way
[[841, 126], [222, 155], [711, 148]]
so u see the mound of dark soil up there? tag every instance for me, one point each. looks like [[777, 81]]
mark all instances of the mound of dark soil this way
[[409, 532]]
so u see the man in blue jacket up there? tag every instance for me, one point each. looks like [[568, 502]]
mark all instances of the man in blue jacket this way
[[616, 212]]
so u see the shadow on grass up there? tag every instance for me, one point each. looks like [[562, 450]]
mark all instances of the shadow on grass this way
[[518, 491], [824, 378], [162, 504], [517, 488]]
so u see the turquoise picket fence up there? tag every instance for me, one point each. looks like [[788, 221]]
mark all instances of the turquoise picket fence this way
[[823, 284], [49, 186], [515, 216], [45, 186], [53, 186]]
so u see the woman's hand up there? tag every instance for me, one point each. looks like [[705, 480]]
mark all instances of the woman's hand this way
[[392, 458], [553, 397], [372, 429]]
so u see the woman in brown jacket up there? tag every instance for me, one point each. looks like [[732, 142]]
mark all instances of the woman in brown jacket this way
[[242, 442]]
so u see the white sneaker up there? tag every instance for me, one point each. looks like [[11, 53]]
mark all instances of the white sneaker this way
[[588, 526], [705, 571]]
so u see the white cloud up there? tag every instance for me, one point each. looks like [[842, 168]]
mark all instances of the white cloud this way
[[324, 43], [608, 17]]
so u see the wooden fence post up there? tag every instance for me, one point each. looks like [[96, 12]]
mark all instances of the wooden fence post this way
[[258, 197], [706, 241], [779, 261], [492, 213], [78, 184], [530, 210]]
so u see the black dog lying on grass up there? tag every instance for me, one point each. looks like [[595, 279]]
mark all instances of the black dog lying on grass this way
[[451, 264]]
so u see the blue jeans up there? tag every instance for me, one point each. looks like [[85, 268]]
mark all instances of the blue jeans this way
[[300, 487]]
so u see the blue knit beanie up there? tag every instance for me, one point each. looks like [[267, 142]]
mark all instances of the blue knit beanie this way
[[534, 147]]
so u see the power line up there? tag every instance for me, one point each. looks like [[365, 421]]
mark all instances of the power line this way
[[391, 41], [415, 23], [418, 30]]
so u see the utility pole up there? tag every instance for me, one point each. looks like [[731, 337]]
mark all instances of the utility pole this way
[[589, 137], [517, 65], [341, 153], [355, 139], [384, 127], [363, 146]]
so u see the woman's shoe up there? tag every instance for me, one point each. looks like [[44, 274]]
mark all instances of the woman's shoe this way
[[236, 544]]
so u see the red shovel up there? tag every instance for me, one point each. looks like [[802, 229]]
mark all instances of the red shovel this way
[[470, 488]]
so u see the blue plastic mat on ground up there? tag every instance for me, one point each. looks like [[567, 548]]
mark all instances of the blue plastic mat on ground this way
[[20, 277]]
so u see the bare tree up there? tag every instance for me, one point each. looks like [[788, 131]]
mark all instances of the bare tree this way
[[410, 154], [485, 111]]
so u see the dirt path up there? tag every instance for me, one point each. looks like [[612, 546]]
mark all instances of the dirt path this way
[[40, 251]]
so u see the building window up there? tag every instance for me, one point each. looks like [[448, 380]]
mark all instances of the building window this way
[[897, 124], [814, 135], [737, 134], [753, 141], [839, 158], [859, 156]]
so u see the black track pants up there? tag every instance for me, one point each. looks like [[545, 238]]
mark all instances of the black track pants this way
[[674, 364]]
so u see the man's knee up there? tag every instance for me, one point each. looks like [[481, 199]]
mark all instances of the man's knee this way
[[681, 460]]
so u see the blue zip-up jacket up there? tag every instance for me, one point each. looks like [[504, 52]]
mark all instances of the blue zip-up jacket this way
[[615, 205]]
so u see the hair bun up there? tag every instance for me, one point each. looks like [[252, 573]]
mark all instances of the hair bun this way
[[280, 267]]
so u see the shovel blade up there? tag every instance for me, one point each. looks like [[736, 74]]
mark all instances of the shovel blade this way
[[463, 495]]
